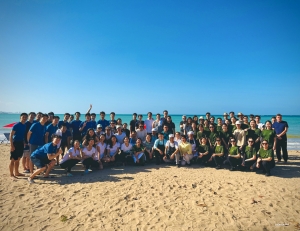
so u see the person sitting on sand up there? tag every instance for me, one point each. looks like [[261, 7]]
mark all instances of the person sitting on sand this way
[[88, 154], [186, 152], [16, 139], [203, 151], [112, 149], [101, 149], [234, 156], [126, 150], [249, 154], [44, 157], [70, 159], [265, 159], [148, 144], [90, 134], [159, 148], [218, 154], [171, 151], [138, 152]]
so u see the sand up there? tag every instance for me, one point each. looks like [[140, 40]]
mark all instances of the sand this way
[[153, 198]]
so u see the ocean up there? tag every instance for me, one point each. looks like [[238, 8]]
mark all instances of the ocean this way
[[293, 121]]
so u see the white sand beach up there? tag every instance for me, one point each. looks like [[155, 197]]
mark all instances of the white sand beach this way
[[152, 198]]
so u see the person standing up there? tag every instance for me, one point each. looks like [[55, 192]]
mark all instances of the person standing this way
[[182, 124], [132, 123], [51, 129], [75, 127], [281, 128], [16, 139], [103, 121], [149, 122]]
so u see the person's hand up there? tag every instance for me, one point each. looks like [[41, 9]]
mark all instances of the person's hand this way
[[274, 148], [91, 106], [213, 155], [84, 124], [279, 137], [257, 164], [12, 148], [60, 151]]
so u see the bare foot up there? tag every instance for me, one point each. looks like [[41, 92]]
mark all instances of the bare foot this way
[[13, 178], [20, 174]]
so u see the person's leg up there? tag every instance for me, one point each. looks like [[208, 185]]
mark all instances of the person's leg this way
[[157, 157], [232, 161], [266, 167], [94, 164], [278, 149], [49, 167], [218, 161], [188, 158], [284, 150], [37, 172], [17, 173], [177, 158], [11, 168], [32, 148]]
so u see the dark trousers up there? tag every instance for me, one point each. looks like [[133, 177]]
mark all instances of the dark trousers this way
[[248, 164], [69, 164], [123, 157], [266, 166], [281, 144], [89, 162], [233, 161], [158, 157], [218, 160], [203, 159]]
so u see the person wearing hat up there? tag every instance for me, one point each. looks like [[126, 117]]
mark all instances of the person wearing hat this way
[[239, 135], [201, 120], [171, 151], [44, 158], [193, 142], [99, 131], [120, 135], [225, 117], [159, 148], [154, 135], [240, 116]]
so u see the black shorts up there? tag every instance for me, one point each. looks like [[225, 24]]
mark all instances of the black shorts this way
[[18, 152]]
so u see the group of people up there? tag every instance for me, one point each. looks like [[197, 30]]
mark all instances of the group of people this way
[[43, 140]]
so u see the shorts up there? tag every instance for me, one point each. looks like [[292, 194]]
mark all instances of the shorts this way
[[38, 162], [26, 154], [18, 152], [32, 148]]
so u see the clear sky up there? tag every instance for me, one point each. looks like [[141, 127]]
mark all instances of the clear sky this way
[[137, 56]]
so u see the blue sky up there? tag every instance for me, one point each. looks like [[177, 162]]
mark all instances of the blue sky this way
[[137, 56]]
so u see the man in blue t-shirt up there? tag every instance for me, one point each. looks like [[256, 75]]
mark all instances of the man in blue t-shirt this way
[[44, 158], [75, 127], [103, 121], [281, 128], [35, 135], [84, 126], [65, 121], [16, 140], [51, 129]]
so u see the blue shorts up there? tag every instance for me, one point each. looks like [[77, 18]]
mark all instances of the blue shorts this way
[[38, 162]]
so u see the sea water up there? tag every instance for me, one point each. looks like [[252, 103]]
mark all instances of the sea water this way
[[292, 120]]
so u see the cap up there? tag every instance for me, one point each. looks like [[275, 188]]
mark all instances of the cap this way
[[154, 129], [118, 126], [58, 132], [171, 135], [99, 126], [240, 113], [238, 122], [201, 118], [190, 133], [225, 113]]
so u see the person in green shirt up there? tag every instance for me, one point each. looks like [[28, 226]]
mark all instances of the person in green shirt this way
[[254, 133], [206, 125], [217, 155], [225, 136], [269, 135], [138, 152], [201, 133], [265, 160], [249, 154], [234, 156], [232, 126], [212, 137], [219, 125], [203, 151]]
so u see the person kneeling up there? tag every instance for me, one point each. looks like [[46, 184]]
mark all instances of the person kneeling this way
[[71, 158], [265, 161], [44, 158]]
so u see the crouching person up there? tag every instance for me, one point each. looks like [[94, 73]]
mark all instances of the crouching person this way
[[44, 158], [71, 158], [265, 160], [172, 152]]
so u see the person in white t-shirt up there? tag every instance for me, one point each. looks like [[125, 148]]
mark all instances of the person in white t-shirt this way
[[259, 124], [101, 149], [171, 151], [88, 154], [148, 122], [71, 158], [120, 135], [112, 149], [126, 151]]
